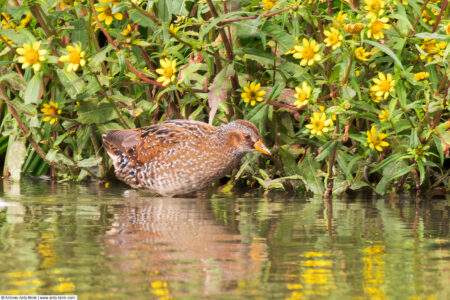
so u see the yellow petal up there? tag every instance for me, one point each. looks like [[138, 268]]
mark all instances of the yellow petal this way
[[63, 58]]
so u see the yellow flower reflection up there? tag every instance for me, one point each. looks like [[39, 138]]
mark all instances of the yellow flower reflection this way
[[252, 93], [302, 95], [374, 271], [75, 58], [167, 71], [307, 52], [159, 289], [51, 111], [31, 55], [375, 139]]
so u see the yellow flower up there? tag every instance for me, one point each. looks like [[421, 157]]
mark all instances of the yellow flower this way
[[127, 30], [6, 21], [333, 39], [319, 123], [31, 56], [361, 54], [307, 52], [376, 140], [384, 115], [75, 58], [432, 49], [302, 95], [6, 40], [51, 110], [25, 21], [375, 8], [340, 18], [421, 76], [252, 93], [447, 28], [107, 15], [357, 72], [426, 16], [167, 71], [374, 97], [383, 85], [173, 30], [354, 28], [376, 28], [268, 4], [64, 4]]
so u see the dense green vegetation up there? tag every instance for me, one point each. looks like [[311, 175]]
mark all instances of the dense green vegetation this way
[[349, 95]]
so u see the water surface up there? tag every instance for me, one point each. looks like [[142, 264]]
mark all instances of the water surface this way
[[111, 243]]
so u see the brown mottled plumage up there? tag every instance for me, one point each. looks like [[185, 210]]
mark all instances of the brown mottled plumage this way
[[180, 156]]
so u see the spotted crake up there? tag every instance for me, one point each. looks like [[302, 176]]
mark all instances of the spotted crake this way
[[180, 156]]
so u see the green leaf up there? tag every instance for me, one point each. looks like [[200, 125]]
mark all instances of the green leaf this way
[[387, 51], [438, 144], [326, 149], [431, 36], [413, 139], [79, 34], [92, 114], [177, 7], [398, 169], [33, 88], [284, 40], [88, 162], [218, 91], [214, 23], [421, 171], [72, 83], [99, 57], [387, 161], [401, 92], [309, 169]]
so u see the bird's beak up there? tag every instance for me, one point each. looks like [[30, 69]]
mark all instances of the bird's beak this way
[[259, 146]]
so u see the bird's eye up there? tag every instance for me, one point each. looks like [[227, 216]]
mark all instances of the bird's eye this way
[[247, 137]]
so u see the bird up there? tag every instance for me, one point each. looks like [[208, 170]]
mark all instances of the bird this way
[[178, 157]]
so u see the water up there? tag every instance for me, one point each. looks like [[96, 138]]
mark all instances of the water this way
[[102, 243]]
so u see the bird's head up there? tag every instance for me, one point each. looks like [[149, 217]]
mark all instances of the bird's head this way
[[243, 137]]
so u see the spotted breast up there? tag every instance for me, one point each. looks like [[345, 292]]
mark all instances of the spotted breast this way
[[180, 156]]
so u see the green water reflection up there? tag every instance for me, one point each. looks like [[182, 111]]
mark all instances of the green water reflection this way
[[102, 243]]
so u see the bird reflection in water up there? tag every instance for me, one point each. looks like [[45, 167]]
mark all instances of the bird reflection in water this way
[[177, 240]]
